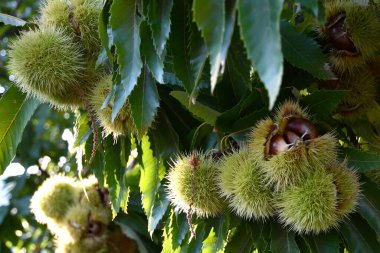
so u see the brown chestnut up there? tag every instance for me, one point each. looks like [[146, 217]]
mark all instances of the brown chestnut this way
[[337, 33], [302, 127], [277, 145], [291, 137]]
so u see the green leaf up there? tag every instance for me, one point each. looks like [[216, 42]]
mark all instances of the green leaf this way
[[11, 20], [125, 25], [187, 47], [16, 110], [179, 228], [303, 52], [324, 242], [209, 242], [282, 240], [199, 110], [323, 103], [260, 30], [165, 137], [196, 243], [82, 129], [159, 209], [359, 237], [241, 241], [238, 68], [217, 237], [167, 242], [159, 21], [152, 59], [260, 235], [144, 101], [360, 160], [210, 18], [151, 175], [115, 174], [230, 10], [103, 28], [244, 114], [369, 204]]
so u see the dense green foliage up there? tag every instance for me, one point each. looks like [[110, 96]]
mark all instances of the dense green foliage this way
[[195, 76]]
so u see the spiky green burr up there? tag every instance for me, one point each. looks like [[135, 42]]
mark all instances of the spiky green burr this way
[[193, 185], [242, 184], [47, 64], [310, 205], [123, 123]]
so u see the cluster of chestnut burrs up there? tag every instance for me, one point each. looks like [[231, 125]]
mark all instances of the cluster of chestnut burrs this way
[[287, 170], [79, 215]]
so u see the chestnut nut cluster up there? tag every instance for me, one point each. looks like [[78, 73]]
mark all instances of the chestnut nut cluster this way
[[297, 130]]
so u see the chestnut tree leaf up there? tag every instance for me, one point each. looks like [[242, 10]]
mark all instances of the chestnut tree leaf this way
[[322, 103], [210, 18], [217, 237], [187, 47], [152, 58], [241, 241], [303, 52], [358, 236], [260, 30], [198, 109], [179, 229], [282, 240], [114, 173], [16, 109], [324, 242], [160, 206], [104, 36], [125, 25], [360, 160], [82, 129], [144, 101], [11, 20], [152, 172], [159, 21], [369, 204]]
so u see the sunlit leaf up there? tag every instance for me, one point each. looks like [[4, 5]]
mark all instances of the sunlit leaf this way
[[160, 206], [11, 20], [16, 110], [125, 25], [115, 174], [260, 30], [144, 101], [151, 175], [210, 18]]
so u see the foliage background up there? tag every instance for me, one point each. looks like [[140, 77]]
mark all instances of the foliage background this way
[[163, 83]]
